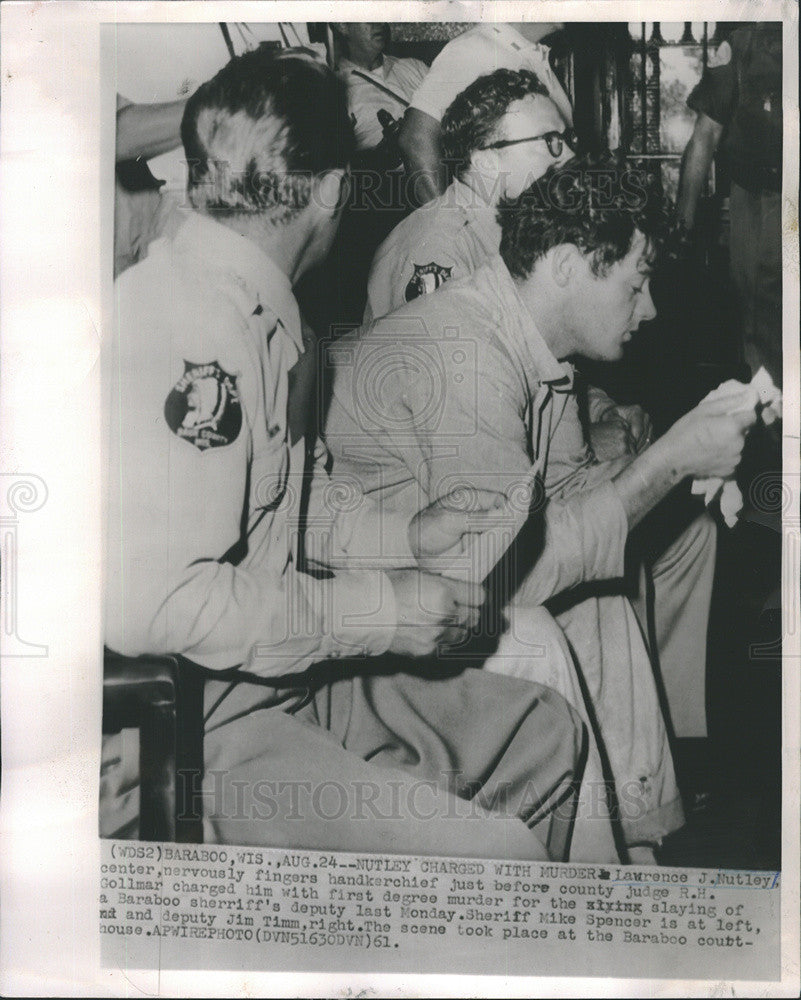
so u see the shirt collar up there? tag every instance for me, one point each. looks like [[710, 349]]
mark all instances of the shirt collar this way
[[538, 359], [481, 215], [235, 257], [346, 66]]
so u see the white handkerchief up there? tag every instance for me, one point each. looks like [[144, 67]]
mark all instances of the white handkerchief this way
[[760, 392]]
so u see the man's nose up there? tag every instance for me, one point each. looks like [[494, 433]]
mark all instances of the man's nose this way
[[647, 310]]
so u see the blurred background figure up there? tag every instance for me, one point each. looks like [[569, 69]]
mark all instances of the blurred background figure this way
[[739, 107], [375, 81]]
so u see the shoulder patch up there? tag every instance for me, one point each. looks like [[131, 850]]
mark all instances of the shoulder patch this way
[[203, 407], [721, 56], [426, 278]]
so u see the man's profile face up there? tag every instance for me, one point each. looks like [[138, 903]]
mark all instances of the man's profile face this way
[[524, 163], [609, 308], [366, 40]]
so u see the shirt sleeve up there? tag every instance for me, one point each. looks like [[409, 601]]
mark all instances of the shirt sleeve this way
[[585, 540], [407, 268], [486, 445], [716, 93], [447, 77], [190, 568], [347, 529]]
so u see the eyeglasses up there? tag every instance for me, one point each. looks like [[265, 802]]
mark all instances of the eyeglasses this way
[[556, 141]]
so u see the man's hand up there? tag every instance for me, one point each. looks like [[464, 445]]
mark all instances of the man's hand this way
[[432, 611], [708, 441], [623, 430], [441, 531], [639, 424]]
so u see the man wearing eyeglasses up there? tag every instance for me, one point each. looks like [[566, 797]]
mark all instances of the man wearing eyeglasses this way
[[500, 134], [480, 50]]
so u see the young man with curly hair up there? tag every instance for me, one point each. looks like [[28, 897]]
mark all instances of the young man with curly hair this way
[[572, 279]]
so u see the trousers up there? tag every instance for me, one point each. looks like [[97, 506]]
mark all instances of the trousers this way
[[672, 605], [464, 764]]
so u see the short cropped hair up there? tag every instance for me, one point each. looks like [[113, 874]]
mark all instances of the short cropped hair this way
[[259, 132], [472, 118], [597, 203]]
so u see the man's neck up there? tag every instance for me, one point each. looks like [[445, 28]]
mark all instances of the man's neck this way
[[488, 190], [283, 244], [367, 63]]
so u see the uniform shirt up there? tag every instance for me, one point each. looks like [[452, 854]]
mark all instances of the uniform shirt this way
[[479, 51], [444, 239], [400, 76], [205, 485], [459, 389], [741, 89], [140, 217]]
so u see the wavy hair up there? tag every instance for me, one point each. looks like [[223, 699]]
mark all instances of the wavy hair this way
[[472, 118], [258, 133], [595, 202]]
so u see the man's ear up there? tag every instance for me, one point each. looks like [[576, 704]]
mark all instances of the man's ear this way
[[566, 262], [485, 165], [332, 191]]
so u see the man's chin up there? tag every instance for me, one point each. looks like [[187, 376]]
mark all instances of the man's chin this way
[[622, 347], [611, 355]]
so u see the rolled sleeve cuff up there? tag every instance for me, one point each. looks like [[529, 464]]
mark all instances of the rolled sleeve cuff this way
[[425, 100], [361, 615], [379, 540]]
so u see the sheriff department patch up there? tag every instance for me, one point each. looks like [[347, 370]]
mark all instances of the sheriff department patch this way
[[203, 406], [426, 278]]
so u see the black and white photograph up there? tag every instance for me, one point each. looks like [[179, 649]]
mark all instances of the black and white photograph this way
[[448, 572]]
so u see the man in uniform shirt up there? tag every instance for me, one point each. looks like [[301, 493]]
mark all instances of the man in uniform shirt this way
[[480, 50], [375, 81], [499, 135], [204, 554], [739, 107], [572, 279], [502, 133]]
